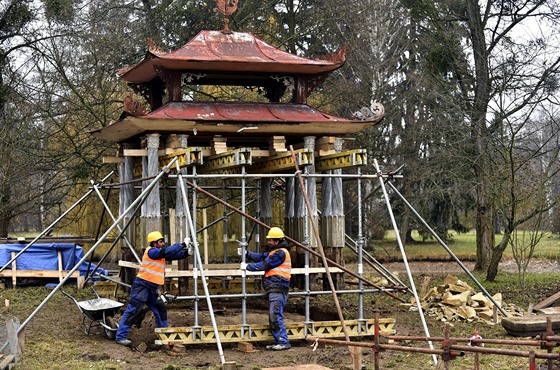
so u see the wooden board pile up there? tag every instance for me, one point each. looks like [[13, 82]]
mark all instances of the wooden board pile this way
[[455, 300]]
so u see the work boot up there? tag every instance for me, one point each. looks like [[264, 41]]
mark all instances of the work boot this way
[[124, 342], [280, 347], [271, 346]]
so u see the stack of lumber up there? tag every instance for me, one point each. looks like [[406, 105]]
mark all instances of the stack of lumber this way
[[455, 300]]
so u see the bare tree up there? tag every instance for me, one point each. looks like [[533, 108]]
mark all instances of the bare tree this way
[[502, 70], [527, 164]]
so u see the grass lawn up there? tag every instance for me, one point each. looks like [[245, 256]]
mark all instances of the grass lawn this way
[[462, 245]]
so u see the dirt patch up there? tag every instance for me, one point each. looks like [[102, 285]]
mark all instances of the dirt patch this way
[[55, 338]]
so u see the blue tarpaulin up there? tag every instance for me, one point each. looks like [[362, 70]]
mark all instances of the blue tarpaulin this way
[[45, 257]]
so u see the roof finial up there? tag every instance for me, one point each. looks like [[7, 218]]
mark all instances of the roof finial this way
[[227, 8]]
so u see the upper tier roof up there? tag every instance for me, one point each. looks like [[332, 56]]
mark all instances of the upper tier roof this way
[[235, 51]]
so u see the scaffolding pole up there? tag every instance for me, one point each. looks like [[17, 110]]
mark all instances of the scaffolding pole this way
[[190, 224], [121, 233], [355, 355], [295, 242], [92, 249], [52, 224], [405, 260], [96, 188], [448, 249]]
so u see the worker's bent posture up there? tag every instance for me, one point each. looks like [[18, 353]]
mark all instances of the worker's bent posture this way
[[277, 265], [145, 290]]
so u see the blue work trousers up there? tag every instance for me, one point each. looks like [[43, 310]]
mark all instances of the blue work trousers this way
[[276, 304], [141, 295]]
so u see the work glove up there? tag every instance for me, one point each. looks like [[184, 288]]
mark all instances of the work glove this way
[[240, 252], [243, 266], [187, 247]]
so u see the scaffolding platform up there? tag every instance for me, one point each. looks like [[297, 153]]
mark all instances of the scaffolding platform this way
[[261, 332]]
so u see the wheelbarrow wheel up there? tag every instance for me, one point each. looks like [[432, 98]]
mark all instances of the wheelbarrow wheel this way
[[110, 333]]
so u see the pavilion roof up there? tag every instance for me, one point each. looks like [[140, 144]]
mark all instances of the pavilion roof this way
[[216, 51], [233, 119]]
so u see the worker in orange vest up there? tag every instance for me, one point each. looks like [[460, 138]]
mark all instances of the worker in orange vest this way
[[277, 265], [145, 290]]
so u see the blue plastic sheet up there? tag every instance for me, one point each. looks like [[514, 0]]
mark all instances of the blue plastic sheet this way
[[45, 257]]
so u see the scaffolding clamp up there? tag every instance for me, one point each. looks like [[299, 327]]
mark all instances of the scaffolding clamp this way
[[546, 343], [315, 344], [447, 354]]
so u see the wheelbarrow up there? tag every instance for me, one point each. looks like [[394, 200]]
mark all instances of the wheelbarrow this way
[[98, 312]]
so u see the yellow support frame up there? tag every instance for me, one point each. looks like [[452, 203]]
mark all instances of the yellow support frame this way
[[258, 333], [350, 158], [227, 162], [282, 162], [185, 157], [230, 162]]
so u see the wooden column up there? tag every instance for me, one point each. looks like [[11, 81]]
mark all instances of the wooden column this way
[[299, 220], [289, 210], [126, 197], [265, 208], [332, 220], [151, 210]]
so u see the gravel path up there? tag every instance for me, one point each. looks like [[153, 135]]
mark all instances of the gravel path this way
[[445, 267]]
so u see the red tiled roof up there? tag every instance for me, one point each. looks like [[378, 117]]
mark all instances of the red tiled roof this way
[[215, 51], [242, 112], [234, 119]]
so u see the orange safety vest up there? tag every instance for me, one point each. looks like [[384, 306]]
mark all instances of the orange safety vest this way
[[283, 270], [152, 270]]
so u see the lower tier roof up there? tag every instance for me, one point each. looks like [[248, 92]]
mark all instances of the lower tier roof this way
[[234, 119]]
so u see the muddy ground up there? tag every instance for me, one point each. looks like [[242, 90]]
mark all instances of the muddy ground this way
[[57, 331]]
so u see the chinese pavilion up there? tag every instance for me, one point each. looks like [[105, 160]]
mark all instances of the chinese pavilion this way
[[236, 138]]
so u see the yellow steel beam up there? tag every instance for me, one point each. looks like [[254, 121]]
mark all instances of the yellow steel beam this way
[[186, 157], [282, 162], [350, 158], [229, 161], [258, 333]]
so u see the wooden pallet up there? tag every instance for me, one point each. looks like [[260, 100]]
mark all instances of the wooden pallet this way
[[529, 326], [59, 274]]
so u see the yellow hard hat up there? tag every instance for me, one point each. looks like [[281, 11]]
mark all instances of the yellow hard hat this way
[[275, 233], [154, 236]]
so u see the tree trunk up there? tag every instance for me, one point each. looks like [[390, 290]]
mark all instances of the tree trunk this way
[[479, 137], [496, 257], [484, 228], [5, 213]]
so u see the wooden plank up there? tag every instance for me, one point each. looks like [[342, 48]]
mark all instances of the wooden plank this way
[[171, 273], [7, 361], [260, 153], [135, 152], [550, 311], [547, 302], [37, 273], [112, 160], [13, 272], [59, 256]]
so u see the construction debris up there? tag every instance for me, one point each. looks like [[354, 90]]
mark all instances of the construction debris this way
[[455, 300]]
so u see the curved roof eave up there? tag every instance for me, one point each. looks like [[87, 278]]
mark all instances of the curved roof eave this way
[[236, 51], [218, 118]]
